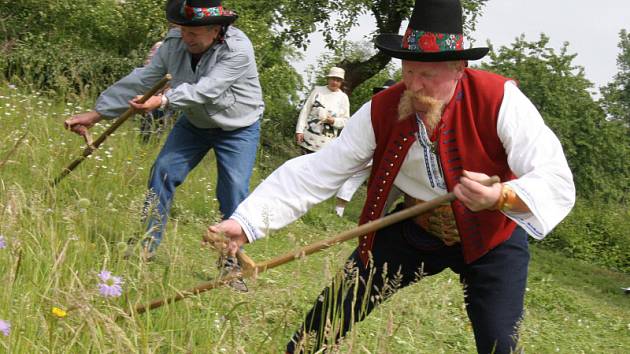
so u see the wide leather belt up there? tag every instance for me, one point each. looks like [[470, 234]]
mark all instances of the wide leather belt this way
[[440, 221]]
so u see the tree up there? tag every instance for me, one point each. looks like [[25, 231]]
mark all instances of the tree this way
[[335, 18], [597, 150], [616, 95]]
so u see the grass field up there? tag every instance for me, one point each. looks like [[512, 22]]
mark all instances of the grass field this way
[[58, 240]]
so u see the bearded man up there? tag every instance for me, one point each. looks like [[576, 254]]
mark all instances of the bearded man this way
[[444, 128]]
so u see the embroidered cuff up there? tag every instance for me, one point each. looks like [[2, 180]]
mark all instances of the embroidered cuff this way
[[248, 228], [527, 220]]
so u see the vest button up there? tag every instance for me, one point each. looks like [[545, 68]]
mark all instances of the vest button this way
[[404, 139], [386, 173], [395, 156]]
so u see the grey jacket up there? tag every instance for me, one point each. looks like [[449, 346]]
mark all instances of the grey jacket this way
[[223, 92]]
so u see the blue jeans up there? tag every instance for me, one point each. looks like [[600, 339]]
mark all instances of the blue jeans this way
[[185, 146]]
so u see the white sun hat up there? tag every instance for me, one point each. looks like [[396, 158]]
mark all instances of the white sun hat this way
[[336, 72]]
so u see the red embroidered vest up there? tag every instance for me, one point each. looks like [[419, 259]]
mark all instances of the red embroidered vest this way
[[466, 139]]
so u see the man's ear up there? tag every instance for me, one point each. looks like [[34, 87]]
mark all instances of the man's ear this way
[[461, 65]]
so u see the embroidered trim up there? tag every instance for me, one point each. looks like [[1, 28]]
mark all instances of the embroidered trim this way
[[431, 42], [432, 164], [250, 231], [200, 13]]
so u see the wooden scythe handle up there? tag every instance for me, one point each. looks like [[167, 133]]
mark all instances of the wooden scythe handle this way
[[250, 268]]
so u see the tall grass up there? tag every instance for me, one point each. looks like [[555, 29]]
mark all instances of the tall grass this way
[[59, 239]]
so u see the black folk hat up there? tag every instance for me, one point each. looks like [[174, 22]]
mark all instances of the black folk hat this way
[[198, 13], [435, 33]]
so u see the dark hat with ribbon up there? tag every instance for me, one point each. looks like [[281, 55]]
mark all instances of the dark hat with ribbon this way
[[198, 13], [435, 33]]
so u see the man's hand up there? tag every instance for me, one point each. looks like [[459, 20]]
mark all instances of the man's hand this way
[[81, 122], [149, 105], [233, 231], [475, 195], [299, 137]]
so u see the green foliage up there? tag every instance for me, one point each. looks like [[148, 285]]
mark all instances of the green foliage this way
[[76, 46], [616, 95], [596, 232], [280, 82], [63, 67], [597, 150]]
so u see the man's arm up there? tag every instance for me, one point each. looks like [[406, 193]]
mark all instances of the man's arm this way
[[545, 182], [304, 181], [115, 99], [543, 194]]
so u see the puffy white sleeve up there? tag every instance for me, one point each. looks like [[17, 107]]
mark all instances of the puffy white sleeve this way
[[544, 181], [306, 180]]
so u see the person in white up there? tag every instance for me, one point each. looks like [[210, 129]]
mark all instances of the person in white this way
[[324, 113], [321, 120]]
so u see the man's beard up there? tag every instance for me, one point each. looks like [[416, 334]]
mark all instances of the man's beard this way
[[431, 107]]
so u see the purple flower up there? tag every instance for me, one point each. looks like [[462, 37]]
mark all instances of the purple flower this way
[[111, 285], [5, 328], [3, 243]]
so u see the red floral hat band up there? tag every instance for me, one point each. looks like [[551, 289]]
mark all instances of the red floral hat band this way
[[431, 42], [201, 13]]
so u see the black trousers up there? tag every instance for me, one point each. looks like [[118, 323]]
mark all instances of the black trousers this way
[[494, 287]]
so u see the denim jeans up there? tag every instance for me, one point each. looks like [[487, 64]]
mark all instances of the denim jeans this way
[[185, 147]]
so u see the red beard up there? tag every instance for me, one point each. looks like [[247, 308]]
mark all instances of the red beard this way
[[412, 102]]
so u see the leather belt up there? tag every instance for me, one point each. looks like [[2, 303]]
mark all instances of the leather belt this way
[[440, 221]]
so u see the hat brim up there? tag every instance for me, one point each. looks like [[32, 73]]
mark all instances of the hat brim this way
[[391, 44], [173, 15]]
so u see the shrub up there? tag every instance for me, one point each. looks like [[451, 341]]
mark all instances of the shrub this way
[[597, 232]]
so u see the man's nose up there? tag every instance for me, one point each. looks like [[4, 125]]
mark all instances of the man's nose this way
[[416, 84]]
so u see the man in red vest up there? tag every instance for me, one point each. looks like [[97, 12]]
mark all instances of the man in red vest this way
[[444, 128]]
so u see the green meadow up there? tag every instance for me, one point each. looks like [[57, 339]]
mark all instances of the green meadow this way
[[59, 239]]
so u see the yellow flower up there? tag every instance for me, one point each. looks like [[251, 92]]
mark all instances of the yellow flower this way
[[59, 313]]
